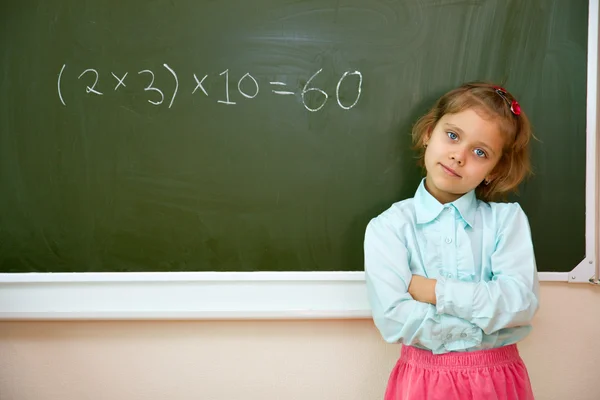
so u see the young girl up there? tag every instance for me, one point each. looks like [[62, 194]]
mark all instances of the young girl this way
[[450, 274]]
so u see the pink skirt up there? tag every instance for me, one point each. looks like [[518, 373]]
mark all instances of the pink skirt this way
[[496, 374]]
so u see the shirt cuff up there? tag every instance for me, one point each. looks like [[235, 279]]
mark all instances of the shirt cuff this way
[[454, 297], [460, 336], [455, 334]]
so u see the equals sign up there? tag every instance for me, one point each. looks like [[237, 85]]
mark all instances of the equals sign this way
[[280, 91]]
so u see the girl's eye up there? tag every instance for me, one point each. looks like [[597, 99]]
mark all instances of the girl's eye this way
[[480, 153], [452, 135]]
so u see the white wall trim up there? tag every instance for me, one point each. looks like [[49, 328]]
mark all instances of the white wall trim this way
[[183, 295], [188, 295]]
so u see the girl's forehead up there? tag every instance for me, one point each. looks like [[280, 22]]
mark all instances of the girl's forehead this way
[[471, 119]]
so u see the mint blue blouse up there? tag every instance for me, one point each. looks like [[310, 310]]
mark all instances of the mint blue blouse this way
[[482, 257]]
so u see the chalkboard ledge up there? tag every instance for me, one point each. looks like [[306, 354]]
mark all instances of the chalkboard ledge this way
[[188, 295]]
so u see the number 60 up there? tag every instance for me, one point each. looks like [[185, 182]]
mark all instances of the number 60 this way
[[306, 90]]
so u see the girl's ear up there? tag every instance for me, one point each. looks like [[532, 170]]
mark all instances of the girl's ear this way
[[427, 137], [488, 179], [496, 173]]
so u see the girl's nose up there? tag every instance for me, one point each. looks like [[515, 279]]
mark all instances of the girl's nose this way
[[458, 157]]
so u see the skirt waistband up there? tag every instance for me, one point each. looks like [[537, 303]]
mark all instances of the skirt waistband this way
[[475, 359]]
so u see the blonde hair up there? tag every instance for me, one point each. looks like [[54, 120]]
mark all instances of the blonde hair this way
[[514, 165]]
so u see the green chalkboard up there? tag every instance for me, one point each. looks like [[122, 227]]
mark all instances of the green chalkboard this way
[[261, 135]]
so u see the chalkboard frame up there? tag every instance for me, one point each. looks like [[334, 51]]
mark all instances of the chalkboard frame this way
[[259, 295]]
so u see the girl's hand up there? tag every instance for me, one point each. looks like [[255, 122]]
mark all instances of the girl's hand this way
[[422, 289]]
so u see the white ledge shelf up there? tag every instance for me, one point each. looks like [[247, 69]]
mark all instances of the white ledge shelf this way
[[188, 295]]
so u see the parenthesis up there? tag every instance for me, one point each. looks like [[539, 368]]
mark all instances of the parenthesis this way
[[176, 83], [58, 84]]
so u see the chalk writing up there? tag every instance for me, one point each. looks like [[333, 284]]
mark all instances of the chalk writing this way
[[306, 89], [176, 83], [337, 89], [280, 91], [120, 80], [240, 86], [199, 84], [59, 77], [162, 96], [226, 72], [248, 86], [91, 89]]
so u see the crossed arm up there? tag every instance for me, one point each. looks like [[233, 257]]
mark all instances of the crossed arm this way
[[422, 289], [449, 314]]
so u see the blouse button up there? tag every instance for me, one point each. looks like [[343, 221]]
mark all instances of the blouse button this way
[[448, 240]]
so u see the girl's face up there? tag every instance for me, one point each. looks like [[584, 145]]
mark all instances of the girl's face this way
[[462, 151]]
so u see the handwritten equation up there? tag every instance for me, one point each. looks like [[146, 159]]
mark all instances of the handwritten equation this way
[[91, 76]]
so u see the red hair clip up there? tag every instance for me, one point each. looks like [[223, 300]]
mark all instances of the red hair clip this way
[[515, 108]]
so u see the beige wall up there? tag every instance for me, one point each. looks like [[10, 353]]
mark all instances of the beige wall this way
[[269, 360]]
